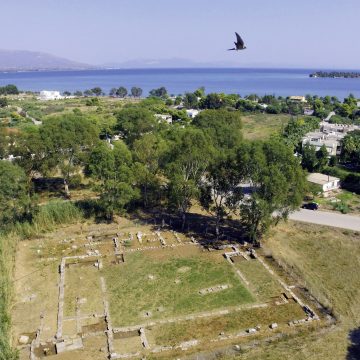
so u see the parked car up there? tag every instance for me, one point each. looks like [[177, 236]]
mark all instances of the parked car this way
[[311, 206]]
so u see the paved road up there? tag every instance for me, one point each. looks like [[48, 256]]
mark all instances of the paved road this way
[[327, 218]]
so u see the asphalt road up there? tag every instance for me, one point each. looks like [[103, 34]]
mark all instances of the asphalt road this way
[[350, 222]]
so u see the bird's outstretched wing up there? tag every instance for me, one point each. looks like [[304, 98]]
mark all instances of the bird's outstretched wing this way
[[231, 49], [239, 40]]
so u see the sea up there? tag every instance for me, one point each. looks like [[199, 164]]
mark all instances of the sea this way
[[242, 81]]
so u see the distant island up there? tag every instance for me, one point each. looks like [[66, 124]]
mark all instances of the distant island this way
[[21, 60], [336, 74]]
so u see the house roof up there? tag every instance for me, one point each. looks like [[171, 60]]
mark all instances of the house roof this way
[[321, 179]]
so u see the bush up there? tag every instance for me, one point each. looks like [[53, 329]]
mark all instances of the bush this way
[[342, 207], [92, 102], [3, 102]]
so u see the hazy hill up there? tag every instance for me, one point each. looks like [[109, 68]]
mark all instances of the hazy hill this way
[[168, 63], [15, 60]]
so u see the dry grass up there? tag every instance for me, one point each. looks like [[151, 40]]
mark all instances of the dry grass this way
[[261, 126], [327, 259], [233, 323]]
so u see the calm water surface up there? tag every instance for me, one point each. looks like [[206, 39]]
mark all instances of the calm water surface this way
[[240, 81]]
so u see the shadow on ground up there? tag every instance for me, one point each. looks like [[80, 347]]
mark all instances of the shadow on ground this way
[[353, 352], [201, 227]]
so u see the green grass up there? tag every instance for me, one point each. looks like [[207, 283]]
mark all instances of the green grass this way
[[263, 285], [261, 126], [209, 328], [132, 293]]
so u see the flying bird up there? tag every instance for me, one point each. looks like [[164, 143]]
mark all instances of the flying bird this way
[[239, 44]]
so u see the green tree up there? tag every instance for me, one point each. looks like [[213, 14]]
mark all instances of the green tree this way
[[345, 110], [309, 159], [121, 92], [9, 90], [115, 196], [322, 157], [278, 187], [160, 92], [351, 147], [220, 192], [68, 139], [14, 193], [113, 91], [296, 128], [212, 101], [136, 91], [189, 157], [134, 122], [30, 151], [149, 152], [88, 92], [4, 143], [222, 126], [111, 168], [178, 100], [190, 101], [200, 92], [97, 91], [78, 93]]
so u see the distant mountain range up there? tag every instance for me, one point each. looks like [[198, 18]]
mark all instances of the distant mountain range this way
[[168, 63], [22, 60]]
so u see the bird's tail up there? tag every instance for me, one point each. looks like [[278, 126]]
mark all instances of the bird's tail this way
[[231, 49]]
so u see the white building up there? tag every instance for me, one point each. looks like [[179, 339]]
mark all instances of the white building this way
[[50, 95], [326, 182], [164, 117], [317, 139], [191, 113], [296, 98]]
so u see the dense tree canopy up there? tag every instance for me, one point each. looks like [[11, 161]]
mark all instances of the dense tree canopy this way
[[136, 91], [14, 196], [351, 147], [134, 122], [222, 126], [9, 90], [278, 187], [67, 139]]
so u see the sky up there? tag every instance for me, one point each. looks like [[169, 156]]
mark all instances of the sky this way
[[278, 33]]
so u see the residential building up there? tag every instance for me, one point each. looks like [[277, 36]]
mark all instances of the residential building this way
[[295, 98], [308, 112], [164, 117], [326, 182], [50, 95], [330, 135], [338, 129], [191, 113], [318, 139]]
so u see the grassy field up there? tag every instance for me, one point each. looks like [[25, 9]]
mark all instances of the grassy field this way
[[229, 324], [328, 261], [261, 126], [262, 284], [169, 286]]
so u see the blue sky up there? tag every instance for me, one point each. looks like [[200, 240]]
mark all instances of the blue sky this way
[[290, 33]]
